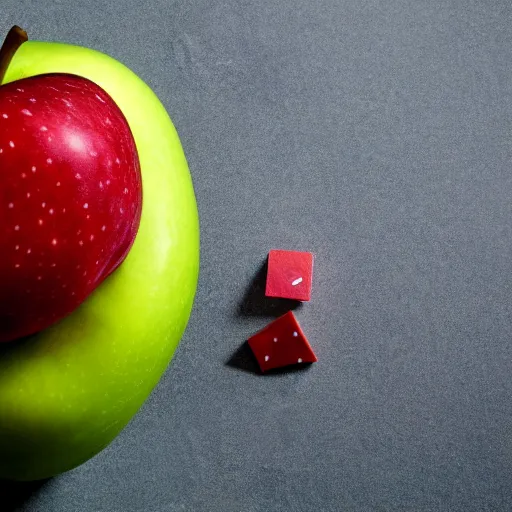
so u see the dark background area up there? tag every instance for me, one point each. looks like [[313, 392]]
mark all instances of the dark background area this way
[[376, 134]]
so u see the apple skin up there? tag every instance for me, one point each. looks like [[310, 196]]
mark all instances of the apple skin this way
[[70, 197], [68, 391]]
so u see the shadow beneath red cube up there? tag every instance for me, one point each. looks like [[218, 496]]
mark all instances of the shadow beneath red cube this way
[[255, 303]]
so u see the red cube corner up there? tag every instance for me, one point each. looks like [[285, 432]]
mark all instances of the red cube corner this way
[[290, 275], [281, 343]]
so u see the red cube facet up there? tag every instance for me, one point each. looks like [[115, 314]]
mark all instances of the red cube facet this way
[[281, 343], [290, 275]]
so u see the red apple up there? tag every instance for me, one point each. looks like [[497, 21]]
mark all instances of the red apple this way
[[70, 197]]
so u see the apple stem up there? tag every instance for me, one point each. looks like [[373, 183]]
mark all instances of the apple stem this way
[[14, 39]]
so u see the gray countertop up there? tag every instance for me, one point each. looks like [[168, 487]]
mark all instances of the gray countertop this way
[[376, 134]]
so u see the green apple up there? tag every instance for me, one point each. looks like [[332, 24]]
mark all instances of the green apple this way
[[68, 391]]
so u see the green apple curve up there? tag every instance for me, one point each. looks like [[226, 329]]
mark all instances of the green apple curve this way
[[68, 391]]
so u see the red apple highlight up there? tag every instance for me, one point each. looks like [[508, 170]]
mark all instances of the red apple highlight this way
[[70, 197]]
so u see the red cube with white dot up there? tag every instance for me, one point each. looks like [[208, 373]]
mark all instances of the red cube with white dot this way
[[281, 343], [290, 275]]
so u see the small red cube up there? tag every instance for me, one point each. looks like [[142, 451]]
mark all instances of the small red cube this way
[[290, 274], [281, 343]]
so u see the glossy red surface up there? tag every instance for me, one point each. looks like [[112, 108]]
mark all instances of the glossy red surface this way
[[70, 197], [290, 275], [281, 343]]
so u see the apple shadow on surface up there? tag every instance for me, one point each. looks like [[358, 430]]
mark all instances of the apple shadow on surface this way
[[256, 303], [13, 495]]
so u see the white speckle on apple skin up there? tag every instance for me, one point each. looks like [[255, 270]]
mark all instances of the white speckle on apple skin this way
[[44, 129], [299, 360], [33, 168], [11, 143], [43, 205], [17, 265], [100, 99], [16, 228], [54, 241], [81, 242], [86, 205], [17, 248], [23, 175], [11, 205], [29, 251], [28, 195], [50, 211], [5, 116], [58, 183], [103, 228], [78, 176], [40, 222], [267, 358], [295, 334], [26, 111], [32, 100], [49, 161]]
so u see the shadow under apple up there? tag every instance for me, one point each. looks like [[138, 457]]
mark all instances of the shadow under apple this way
[[13, 495]]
